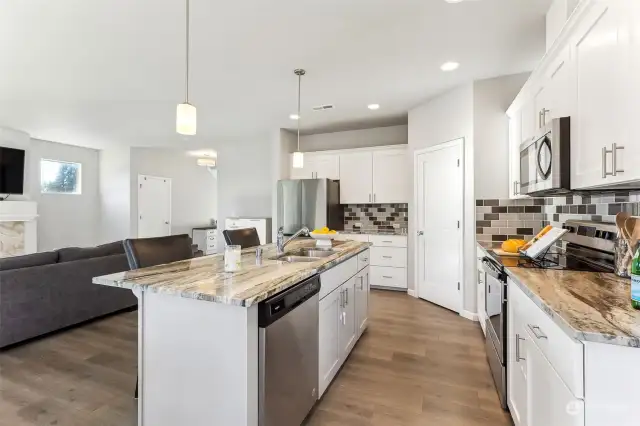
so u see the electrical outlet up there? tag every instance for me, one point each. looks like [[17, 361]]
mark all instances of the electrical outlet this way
[[396, 225], [357, 225]]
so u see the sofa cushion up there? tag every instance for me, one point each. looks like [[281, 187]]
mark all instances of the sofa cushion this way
[[76, 253], [28, 261]]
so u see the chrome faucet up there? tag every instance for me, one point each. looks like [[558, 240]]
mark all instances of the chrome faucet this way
[[281, 243]]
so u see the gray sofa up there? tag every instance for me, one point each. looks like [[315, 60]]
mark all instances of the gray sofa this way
[[44, 292]]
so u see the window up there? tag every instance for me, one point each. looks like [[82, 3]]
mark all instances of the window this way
[[60, 177]]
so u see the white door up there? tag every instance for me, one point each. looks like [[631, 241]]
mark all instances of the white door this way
[[356, 173], [325, 166], [439, 183], [348, 318], [390, 177], [154, 206], [550, 402], [601, 66], [362, 300], [328, 339]]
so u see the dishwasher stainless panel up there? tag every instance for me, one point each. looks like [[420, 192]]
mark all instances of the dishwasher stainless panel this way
[[288, 356]]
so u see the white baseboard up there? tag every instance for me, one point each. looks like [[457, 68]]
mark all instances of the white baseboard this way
[[469, 315], [412, 293]]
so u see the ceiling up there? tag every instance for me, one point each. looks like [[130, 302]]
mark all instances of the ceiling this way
[[98, 72]]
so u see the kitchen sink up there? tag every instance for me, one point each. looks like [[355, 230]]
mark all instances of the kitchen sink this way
[[295, 259], [313, 252]]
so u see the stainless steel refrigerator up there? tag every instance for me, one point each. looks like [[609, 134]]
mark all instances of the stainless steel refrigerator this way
[[313, 203]]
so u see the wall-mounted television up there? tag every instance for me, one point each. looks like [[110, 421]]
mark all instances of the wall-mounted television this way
[[11, 171]]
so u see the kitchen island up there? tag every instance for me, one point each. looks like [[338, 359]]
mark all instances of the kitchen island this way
[[198, 331]]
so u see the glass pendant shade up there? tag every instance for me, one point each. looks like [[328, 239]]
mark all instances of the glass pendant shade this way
[[186, 119], [298, 160]]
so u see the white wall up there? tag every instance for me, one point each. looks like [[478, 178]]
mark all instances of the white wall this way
[[245, 176], [284, 143], [66, 220], [445, 118], [379, 136], [194, 191], [491, 99], [115, 194]]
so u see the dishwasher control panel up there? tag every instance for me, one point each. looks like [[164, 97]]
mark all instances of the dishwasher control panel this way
[[277, 306]]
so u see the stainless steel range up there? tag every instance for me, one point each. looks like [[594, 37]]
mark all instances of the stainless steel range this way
[[590, 247]]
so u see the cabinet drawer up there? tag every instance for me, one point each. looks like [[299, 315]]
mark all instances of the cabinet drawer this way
[[388, 277], [363, 260], [565, 354], [353, 237], [336, 276], [388, 240], [389, 256]]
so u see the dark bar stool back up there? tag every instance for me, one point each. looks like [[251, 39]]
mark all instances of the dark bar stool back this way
[[145, 252], [241, 237]]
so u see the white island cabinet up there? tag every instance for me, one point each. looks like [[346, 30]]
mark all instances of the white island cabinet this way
[[344, 312]]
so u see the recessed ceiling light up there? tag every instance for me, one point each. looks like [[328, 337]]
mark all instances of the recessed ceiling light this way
[[294, 117], [449, 66], [373, 106], [454, 1]]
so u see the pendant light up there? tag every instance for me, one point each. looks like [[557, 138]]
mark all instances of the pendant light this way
[[186, 113], [298, 157]]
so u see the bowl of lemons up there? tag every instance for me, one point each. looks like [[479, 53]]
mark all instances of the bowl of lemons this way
[[323, 236]]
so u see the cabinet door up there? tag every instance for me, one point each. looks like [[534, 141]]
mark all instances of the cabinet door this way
[[325, 166], [482, 315], [515, 139], [347, 331], [600, 52], [328, 339], [528, 120], [356, 173], [551, 403], [516, 362], [305, 172], [390, 176], [560, 96], [362, 300]]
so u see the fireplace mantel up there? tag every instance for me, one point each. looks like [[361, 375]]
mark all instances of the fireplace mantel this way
[[19, 237]]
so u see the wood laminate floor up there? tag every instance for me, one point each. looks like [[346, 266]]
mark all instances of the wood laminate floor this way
[[418, 364]]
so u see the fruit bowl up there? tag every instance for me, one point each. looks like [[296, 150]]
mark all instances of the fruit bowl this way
[[323, 239]]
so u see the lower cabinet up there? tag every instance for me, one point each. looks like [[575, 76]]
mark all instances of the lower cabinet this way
[[343, 318], [516, 362]]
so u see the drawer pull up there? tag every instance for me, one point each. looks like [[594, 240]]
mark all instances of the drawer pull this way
[[365, 259], [387, 277], [537, 332], [518, 357], [388, 242], [387, 257]]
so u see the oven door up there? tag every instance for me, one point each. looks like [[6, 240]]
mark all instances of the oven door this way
[[495, 305]]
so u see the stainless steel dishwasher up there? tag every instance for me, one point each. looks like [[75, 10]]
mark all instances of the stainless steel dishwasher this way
[[288, 354]]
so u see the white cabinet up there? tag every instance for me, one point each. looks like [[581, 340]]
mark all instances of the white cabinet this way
[[206, 239], [600, 46], [262, 225], [481, 281], [343, 316], [515, 139], [551, 402], [528, 125], [362, 301], [356, 178], [390, 176], [329, 341], [347, 326], [317, 166], [516, 361]]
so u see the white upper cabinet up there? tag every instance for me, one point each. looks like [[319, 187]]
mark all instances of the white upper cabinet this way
[[356, 178], [318, 166], [390, 176], [515, 138], [528, 121]]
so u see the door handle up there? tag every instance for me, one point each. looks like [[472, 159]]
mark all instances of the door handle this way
[[420, 233], [614, 151], [537, 332], [518, 357], [606, 151]]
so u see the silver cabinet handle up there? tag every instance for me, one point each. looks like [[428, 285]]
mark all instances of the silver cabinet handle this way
[[387, 257], [420, 233], [518, 357], [369, 197], [361, 282], [614, 151], [388, 242], [365, 259], [387, 277], [346, 297], [342, 298], [374, 198], [537, 332]]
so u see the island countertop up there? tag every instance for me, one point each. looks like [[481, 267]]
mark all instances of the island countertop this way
[[204, 278], [589, 306]]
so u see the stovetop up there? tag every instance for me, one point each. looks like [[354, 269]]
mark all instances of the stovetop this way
[[557, 261]]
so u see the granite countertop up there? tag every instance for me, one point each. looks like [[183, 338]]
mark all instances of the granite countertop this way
[[400, 232], [203, 278], [588, 306]]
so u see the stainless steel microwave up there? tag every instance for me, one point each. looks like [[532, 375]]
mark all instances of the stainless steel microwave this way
[[545, 161]]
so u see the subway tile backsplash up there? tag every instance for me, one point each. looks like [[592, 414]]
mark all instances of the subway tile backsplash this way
[[528, 216], [376, 217]]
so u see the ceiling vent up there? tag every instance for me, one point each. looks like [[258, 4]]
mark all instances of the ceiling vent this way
[[323, 107]]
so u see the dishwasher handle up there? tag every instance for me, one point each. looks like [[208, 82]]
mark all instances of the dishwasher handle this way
[[274, 308]]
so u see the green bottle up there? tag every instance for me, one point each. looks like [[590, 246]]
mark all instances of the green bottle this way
[[635, 281]]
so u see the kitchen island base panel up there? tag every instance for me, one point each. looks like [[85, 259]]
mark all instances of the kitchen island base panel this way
[[198, 362]]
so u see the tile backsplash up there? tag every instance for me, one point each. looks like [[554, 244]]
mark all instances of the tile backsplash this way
[[499, 220], [376, 217]]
